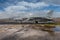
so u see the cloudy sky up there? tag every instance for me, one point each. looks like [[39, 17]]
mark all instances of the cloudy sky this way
[[27, 8]]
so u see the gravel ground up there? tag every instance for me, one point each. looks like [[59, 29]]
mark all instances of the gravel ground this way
[[27, 33]]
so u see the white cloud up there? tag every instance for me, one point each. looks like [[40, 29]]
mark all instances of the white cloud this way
[[56, 14], [20, 9], [13, 8], [33, 5], [55, 2]]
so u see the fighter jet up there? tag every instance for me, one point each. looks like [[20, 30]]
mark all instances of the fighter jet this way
[[44, 20]]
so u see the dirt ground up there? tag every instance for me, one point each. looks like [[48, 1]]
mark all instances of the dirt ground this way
[[26, 32]]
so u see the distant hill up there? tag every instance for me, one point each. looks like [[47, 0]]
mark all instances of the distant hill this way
[[56, 20]]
